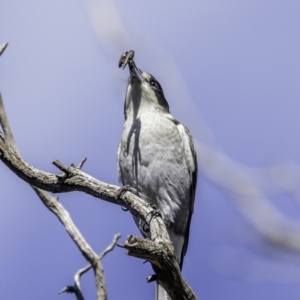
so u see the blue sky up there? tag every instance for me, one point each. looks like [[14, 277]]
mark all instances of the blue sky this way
[[230, 71]]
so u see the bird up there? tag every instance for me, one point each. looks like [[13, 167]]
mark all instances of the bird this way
[[157, 158]]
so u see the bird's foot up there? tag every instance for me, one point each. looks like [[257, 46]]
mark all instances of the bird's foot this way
[[154, 213], [126, 188], [123, 190]]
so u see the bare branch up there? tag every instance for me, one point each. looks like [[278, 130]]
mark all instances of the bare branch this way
[[163, 263], [5, 126], [81, 163], [61, 213], [101, 255], [161, 251], [111, 247], [76, 289], [167, 270]]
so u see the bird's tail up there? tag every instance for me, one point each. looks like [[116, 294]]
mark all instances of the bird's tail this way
[[161, 293]]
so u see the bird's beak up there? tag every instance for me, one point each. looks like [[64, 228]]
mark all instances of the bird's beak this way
[[135, 72], [127, 59]]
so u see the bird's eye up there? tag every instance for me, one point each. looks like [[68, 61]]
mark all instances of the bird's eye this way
[[155, 84]]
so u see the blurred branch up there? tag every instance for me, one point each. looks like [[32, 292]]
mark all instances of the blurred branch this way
[[61, 213], [3, 47], [285, 176], [264, 217], [76, 289]]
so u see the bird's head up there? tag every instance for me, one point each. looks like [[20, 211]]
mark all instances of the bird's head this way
[[143, 89]]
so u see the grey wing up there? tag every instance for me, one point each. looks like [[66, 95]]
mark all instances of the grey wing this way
[[191, 161], [119, 162]]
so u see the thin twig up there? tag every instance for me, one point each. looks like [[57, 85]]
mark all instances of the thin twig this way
[[76, 288], [83, 270], [6, 127], [81, 163]]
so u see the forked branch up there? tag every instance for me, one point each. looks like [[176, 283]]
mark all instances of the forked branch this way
[[158, 249]]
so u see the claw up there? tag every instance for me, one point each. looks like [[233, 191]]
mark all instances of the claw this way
[[154, 213], [122, 191], [126, 188]]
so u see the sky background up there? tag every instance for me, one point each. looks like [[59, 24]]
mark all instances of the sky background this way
[[63, 93]]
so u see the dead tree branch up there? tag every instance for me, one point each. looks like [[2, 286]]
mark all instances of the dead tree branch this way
[[158, 249], [61, 213], [76, 288]]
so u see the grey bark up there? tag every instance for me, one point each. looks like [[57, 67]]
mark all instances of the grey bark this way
[[158, 249]]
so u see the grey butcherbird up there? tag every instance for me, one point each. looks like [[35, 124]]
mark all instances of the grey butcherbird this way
[[156, 156]]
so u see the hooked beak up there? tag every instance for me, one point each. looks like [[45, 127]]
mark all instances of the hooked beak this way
[[127, 59], [135, 72]]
